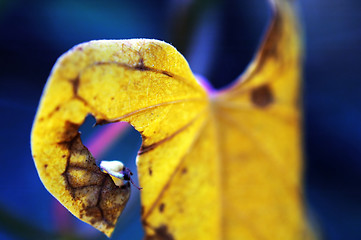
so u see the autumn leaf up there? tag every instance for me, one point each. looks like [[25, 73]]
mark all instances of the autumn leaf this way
[[225, 165]]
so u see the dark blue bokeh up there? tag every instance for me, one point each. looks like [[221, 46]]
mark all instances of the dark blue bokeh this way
[[333, 115], [218, 38]]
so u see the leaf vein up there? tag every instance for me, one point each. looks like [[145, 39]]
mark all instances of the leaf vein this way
[[177, 169]]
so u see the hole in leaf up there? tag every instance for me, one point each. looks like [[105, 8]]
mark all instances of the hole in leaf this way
[[117, 141]]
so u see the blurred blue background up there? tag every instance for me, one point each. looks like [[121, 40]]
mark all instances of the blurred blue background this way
[[219, 39]]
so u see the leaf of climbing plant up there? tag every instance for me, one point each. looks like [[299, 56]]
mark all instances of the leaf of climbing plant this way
[[144, 82], [220, 166]]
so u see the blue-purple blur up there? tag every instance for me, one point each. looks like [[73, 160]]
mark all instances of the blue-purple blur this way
[[33, 34]]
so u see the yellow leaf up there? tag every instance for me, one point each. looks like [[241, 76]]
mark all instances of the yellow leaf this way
[[223, 166]]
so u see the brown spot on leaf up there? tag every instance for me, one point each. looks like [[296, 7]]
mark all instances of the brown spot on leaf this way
[[143, 136], [142, 210], [101, 122], [184, 170], [262, 96], [161, 233], [67, 184], [110, 214], [70, 133], [140, 66], [270, 48], [75, 83], [150, 171], [95, 213], [125, 186], [109, 225], [50, 115], [168, 74], [45, 166], [161, 207]]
